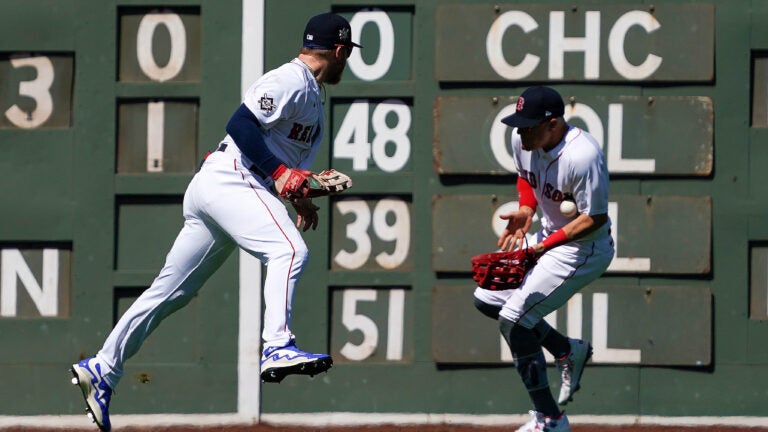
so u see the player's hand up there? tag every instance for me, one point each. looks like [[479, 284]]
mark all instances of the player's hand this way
[[518, 224], [306, 213], [291, 183]]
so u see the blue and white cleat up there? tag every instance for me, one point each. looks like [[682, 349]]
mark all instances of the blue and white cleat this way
[[279, 362], [87, 374]]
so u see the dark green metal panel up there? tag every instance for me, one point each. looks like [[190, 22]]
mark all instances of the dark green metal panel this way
[[662, 42], [42, 23], [463, 226], [61, 191], [760, 91], [35, 131], [469, 137], [460, 333], [758, 32], [641, 325], [143, 246], [707, 207], [633, 132], [758, 283], [683, 222]]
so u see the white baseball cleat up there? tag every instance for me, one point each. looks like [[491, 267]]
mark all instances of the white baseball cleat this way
[[87, 374], [279, 362], [541, 423], [571, 367]]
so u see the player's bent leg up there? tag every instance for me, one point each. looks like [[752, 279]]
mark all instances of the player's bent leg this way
[[567, 280], [283, 250], [281, 357], [284, 266], [194, 256], [530, 364], [260, 224]]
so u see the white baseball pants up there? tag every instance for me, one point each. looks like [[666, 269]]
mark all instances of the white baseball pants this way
[[225, 205], [559, 274]]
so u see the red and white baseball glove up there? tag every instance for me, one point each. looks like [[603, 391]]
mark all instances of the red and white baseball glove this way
[[497, 271], [294, 183]]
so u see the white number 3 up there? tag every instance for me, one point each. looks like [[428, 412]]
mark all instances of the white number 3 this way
[[38, 89]]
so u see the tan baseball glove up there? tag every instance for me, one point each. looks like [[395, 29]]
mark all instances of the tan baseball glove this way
[[296, 183]]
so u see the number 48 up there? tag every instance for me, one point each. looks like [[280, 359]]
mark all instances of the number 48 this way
[[352, 141]]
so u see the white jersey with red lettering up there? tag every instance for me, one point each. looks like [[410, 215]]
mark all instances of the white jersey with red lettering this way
[[286, 101], [227, 205], [575, 168]]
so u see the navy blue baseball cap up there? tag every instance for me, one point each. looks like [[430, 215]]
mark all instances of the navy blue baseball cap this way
[[327, 30], [535, 105]]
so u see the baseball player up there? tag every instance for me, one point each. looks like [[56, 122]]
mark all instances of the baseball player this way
[[234, 201], [555, 161]]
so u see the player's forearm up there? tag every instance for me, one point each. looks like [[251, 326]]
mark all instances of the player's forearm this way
[[584, 225], [578, 228]]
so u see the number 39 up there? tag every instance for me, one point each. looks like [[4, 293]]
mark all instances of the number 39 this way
[[397, 231]]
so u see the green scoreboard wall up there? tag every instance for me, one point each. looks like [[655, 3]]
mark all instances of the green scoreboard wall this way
[[107, 107]]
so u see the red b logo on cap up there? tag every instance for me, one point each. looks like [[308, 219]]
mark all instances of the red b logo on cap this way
[[520, 102]]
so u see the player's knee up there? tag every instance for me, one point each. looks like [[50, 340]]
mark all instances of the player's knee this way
[[526, 350], [301, 253], [296, 252], [533, 370], [488, 310], [522, 341]]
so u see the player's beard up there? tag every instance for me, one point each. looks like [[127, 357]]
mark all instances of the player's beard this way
[[531, 139], [526, 142], [524, 145], [334, 72]]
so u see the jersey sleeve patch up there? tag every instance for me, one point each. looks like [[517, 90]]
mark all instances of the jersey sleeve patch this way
[[267, 103]]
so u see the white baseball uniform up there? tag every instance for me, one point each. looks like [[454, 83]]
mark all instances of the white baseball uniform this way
[[575, 167], [227, 205]]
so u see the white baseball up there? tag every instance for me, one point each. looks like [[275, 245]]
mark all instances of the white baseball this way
[[568, 208]]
